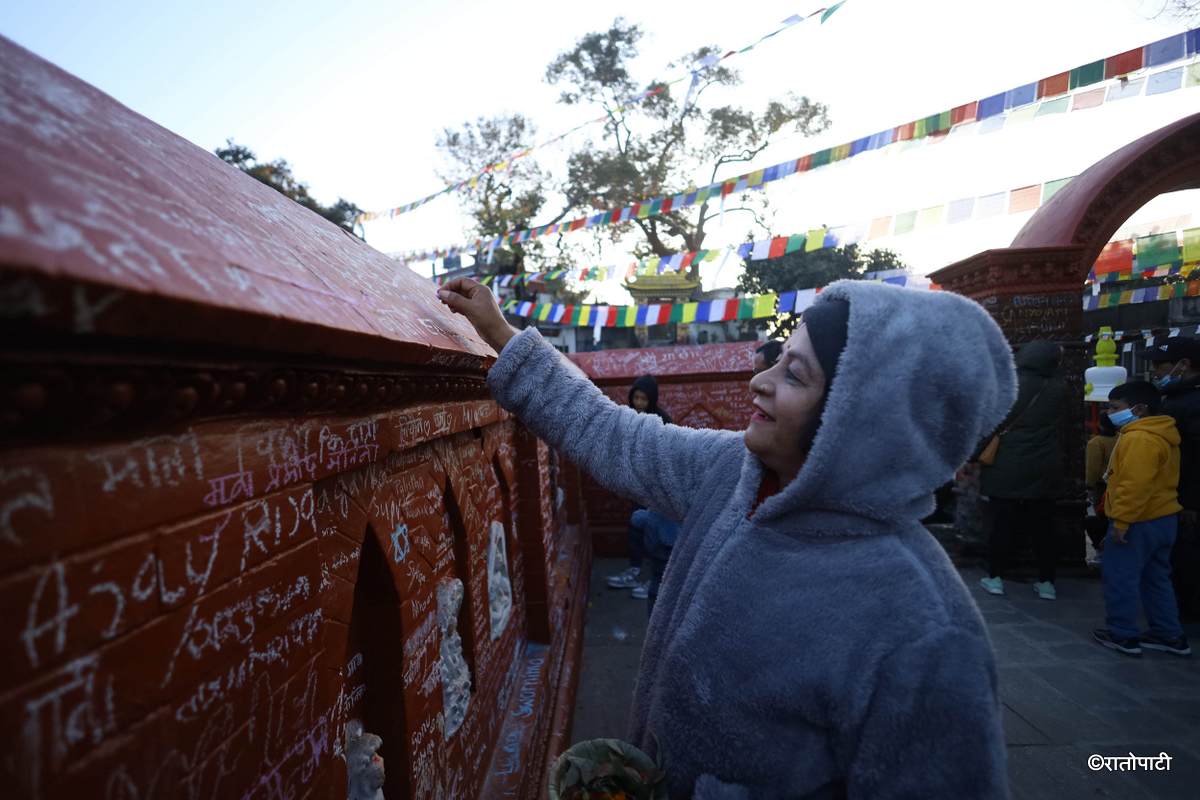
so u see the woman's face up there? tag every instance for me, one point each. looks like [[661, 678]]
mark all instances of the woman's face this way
[[641, 401], [787, 401]]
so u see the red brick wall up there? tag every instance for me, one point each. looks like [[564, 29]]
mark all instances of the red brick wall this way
[[198, 612]]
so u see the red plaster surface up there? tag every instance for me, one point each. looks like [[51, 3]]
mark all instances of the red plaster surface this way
[[106, 215], [701, 386], [198, 611]]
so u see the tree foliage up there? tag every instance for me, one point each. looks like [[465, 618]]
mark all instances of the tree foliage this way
[[278, 175], [809, 270], [502, 199], [658, 146]]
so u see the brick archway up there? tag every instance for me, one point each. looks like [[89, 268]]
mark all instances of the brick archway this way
[[1032, 287]]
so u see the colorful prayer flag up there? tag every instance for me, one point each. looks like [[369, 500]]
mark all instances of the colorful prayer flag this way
[[764, 306]]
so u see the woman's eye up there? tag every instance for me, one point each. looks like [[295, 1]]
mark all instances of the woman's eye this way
[[794, 379]]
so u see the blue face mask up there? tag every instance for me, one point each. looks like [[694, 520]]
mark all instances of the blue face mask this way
[[1122, 417], [1165, 381]]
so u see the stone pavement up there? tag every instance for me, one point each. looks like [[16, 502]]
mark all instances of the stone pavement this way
[[1065, 697]]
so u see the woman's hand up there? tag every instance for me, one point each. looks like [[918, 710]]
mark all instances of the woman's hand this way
[[475, 302]]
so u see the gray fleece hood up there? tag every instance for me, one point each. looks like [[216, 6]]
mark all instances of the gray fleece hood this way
[[923, 378]]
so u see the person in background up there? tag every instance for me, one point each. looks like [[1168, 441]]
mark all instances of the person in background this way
[[766, 354], [1177, 377], [1142, 507], [1099, 451], [657, 537], [643, 398], [1022, 483]]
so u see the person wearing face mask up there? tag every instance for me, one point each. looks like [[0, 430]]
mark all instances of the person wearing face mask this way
[[1177, 376], [811, 638], [1142, 508]]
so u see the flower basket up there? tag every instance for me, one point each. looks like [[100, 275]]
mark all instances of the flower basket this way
[[606, 769]]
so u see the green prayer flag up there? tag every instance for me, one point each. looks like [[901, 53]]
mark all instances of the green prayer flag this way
[[656, 206], [821, 158], [905, 222], [1059, 105], [676, 314], [795, 243], [1051, 188], [1087, 74], [1191, 245], [829, 11], [1158, 250], [745, 308]]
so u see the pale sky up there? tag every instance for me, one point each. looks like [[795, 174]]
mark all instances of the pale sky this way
[[355, 93]]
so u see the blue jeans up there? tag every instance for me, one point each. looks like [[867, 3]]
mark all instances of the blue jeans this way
[[656, 536], [1141, 567]]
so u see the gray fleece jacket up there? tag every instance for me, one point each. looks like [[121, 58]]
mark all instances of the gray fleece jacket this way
[[826, 647]]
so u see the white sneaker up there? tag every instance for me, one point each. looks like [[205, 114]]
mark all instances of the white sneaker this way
[[641, 591], [1045, 590], [625, 579], [992, 585]]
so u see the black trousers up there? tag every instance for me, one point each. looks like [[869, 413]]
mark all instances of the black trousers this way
[[1185, 570], [1013, 518]]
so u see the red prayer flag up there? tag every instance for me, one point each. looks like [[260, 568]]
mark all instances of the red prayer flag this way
[[1025, 198], [611, 321], [804, 163], [615, 216], [778, 246], [637, 209], [667, 203], [727, 187], [1126, 62], [1054, 85], [578, 223], [568, 314], [964, 113], [1115, 257], [688, 258]]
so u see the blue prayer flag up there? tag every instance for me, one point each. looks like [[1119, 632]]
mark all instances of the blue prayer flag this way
[[990, 106], [1020, 96], [787, 302], [744, 249], [1166, 81], [641, 315], [859, 145], [1165, 50], [703, 310]]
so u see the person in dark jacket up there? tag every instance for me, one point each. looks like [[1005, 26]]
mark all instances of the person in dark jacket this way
[[811, 639], [1177, 376], [643, 541], [766, 354], [1024, 481]]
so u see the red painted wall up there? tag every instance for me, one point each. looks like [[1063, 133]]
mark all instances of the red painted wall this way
[[240, 451], [701, 386]]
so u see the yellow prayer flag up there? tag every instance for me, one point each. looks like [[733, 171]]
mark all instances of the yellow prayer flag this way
[[1126, 297], [756, 178], [585, 316], [814, 240], [1191, 245], [689, 312], [544, 312], [764, 306]]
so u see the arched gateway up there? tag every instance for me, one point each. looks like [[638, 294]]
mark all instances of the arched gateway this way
[[1032, 287]]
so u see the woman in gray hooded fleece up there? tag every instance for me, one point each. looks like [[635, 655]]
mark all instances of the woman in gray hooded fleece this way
[[816, 642]]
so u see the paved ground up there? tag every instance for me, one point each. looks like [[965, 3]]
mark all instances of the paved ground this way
[[1065, 698]]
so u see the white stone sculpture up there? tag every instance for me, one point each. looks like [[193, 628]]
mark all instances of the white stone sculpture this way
[[364, 765], [499, 586], [456, 676]]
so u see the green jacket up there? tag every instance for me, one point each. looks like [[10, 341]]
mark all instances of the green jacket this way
[[1029, 462]]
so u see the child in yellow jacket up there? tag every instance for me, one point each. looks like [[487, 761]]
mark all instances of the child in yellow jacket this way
[[1142, 506]]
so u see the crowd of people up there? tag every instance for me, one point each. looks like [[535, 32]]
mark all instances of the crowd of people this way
[[1143, 491]]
